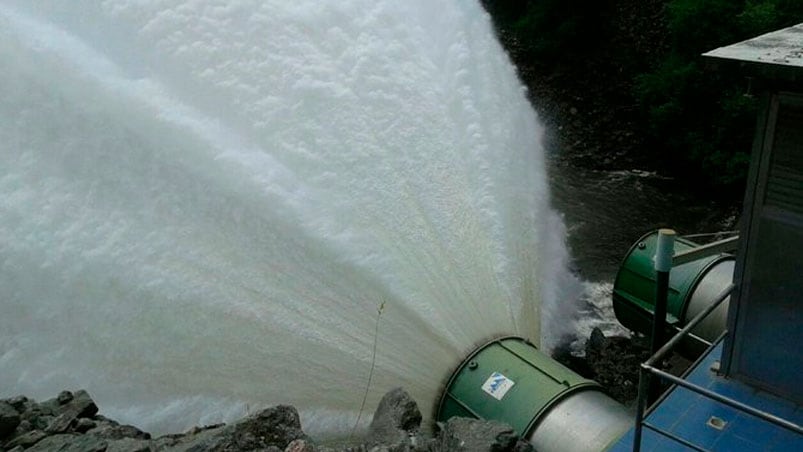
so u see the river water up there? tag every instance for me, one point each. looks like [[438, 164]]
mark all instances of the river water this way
[[605, 213]]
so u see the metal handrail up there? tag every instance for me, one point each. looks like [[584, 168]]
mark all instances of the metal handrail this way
[[647, 369], [725, 293], [763, 415]]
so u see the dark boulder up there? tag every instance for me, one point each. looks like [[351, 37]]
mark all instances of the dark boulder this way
[[83, 425], [597, 341], [396, 418], [68, 408], [27, 439], [130, 445], [82, 405], [614, 363], [61, 423], [24, 427], [116, 431], [473, 435], [64, 397], [19, 403], [70, 443], [273, 427], [9, 419]]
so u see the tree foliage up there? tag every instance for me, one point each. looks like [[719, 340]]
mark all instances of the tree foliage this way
[[549, 29], [702, 119], [705, 119]]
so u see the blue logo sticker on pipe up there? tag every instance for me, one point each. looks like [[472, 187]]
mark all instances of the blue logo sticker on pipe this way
[[497, 385]]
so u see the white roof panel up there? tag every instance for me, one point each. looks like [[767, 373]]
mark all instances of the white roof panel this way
[[782, 47]]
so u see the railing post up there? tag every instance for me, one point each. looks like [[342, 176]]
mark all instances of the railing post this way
[[664, 252], [641, 401]]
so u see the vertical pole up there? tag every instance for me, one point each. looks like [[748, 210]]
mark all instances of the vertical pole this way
[[643, 378], [664, 251]]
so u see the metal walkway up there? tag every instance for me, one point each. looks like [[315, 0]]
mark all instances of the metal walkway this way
[[712, 426]]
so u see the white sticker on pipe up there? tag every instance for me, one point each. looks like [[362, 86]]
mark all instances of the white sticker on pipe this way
[[497, 385]]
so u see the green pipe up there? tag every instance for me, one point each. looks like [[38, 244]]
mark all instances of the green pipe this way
[[511, 381], [634, 289]]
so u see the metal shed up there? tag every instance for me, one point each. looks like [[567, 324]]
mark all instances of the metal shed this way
[[766, 314]]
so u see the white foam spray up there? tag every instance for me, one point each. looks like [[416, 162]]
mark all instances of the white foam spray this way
[[203, 204]]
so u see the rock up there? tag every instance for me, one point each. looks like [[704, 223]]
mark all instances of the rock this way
[[112, 431], [472, 435], [61, 423], [27, 440], [64, 397], [70, 443], [168, 441], [299, 445], [83, 425], [597, 340], [50, 407], [9, 419], [198, 429], [104, 420], [69, 408], [395, 419], [40, 422], [30, 413], [273, 427], [129, 445], [17, 449], [615, 361], [80, 404], [19, 403], [83, 405], [24, 427]]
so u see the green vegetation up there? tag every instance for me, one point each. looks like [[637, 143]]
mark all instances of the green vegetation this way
[[549, 29], [704, 119], [705, 116]]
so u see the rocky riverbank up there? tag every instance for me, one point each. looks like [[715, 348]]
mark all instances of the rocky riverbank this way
[[70, 423], [614, 363]]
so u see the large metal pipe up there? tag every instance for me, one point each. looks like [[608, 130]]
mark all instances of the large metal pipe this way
[[711, 284], [511, 381], [692, 287], [585, 421]]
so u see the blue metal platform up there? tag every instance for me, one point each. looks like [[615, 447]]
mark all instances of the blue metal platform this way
[[713, 426]]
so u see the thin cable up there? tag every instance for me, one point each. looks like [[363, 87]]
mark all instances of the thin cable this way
[[371, 372]]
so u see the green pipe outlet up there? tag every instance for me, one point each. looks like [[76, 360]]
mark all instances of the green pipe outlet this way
[[689, 287], [511, 381]]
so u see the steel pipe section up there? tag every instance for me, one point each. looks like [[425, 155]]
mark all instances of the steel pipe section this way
[[711, 284], [584, 421], [693, 286], [511, 381]]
